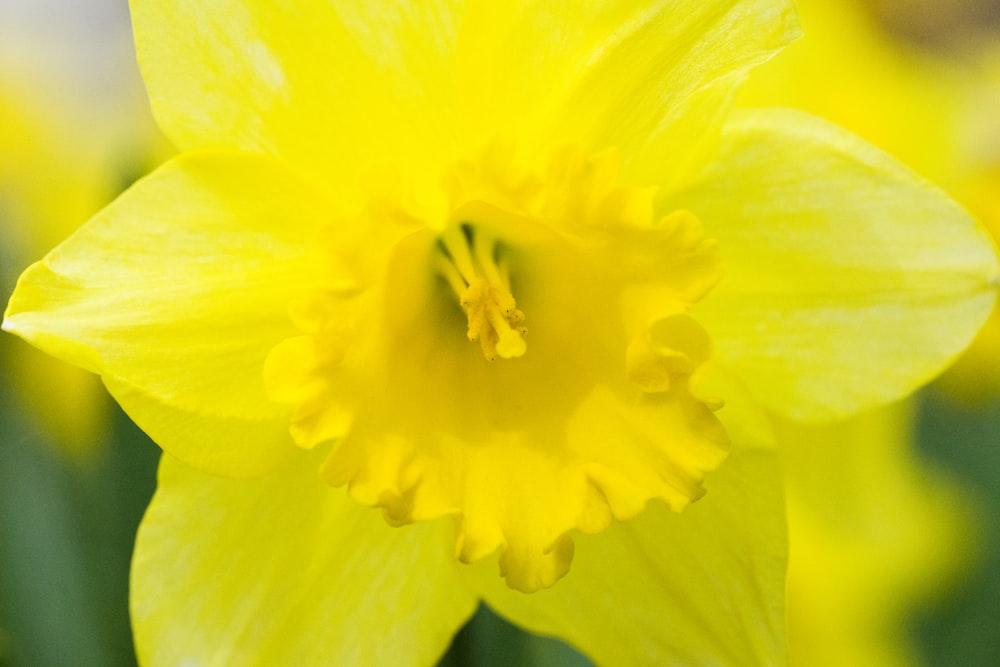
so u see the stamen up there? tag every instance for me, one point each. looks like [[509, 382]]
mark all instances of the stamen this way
[[456, 243], [447, 269], [470, 264]]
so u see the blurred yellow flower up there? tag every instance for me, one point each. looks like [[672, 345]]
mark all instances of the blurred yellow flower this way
[[465, 256], [874, 535], [976, 375], [31, 172], [65, 147], [872, 88]]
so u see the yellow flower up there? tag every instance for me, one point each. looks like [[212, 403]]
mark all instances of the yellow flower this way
[[465, 259]]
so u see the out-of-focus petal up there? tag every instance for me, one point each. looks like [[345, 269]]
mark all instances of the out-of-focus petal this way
[[873, 535]]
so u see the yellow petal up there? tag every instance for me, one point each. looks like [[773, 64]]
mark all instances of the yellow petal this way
[[285, 570], [175, 294], [701, 587], [327, 86], [849, 281], [650, 78]]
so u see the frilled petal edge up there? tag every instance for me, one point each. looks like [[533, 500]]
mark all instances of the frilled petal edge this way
[[705, 586]]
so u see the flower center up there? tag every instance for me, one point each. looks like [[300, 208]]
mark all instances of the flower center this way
[[603, 416], [472, 264]]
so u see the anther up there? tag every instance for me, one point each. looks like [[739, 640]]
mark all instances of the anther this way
[[471, 264]]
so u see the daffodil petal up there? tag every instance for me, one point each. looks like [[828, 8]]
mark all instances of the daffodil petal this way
[[701, 587], [327, 86], [284, 570], [649, 78], [175, 293], [849, 280]]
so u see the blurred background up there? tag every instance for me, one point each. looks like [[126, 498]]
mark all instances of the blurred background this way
[[895, 534]]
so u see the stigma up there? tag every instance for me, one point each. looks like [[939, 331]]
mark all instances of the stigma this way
[[472, 264]]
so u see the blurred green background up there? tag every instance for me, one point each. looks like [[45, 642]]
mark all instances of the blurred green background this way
[[965, 439]]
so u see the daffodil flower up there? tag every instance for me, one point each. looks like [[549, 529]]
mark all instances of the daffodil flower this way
[[492, 268]]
